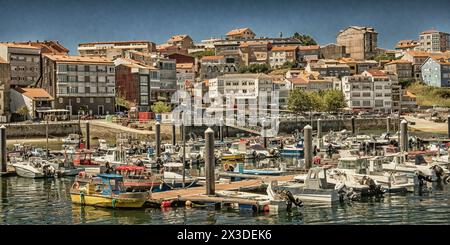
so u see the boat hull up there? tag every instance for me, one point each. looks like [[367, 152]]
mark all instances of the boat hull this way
[[22, 172], [107, 201]]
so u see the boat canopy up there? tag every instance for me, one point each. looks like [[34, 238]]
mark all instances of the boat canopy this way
[[110, 176]]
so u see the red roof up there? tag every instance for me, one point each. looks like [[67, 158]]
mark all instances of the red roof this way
[[129, 168]]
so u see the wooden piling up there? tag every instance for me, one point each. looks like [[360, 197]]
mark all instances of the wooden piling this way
[[158, 139], [88, 136], [209, 162], [404, 136], [3, 152]]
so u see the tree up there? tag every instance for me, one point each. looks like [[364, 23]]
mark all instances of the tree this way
[[160, 107], [23, 111], [305, 40], [301, 101], [333, 100], [288, 65], [122, 102], [200, 54], [255, 68]]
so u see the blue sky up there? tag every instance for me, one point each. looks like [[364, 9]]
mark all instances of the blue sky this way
[[72, 22]]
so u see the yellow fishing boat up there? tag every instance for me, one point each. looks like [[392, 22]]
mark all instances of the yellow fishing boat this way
[[105, 190], [233, 157]]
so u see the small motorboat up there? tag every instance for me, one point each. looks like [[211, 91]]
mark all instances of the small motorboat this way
[[295, 150], [105, 190], [35, 167]]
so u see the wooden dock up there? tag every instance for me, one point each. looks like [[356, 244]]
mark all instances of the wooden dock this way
[[158, 197]]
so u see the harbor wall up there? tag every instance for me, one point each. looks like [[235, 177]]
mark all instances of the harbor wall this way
[[288, 127], [37, 130]]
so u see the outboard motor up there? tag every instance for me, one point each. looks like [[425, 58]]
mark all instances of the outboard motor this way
[[419, 159]]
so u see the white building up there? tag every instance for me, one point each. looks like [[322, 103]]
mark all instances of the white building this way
[[366, 92], [241, 88]]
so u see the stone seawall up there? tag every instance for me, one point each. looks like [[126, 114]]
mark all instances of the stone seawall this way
[[37, 130]]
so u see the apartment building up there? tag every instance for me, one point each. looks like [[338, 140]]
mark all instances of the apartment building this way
[[5, 76], [280, 55], [47, 46], [436, 71], [240, 34], [332, 51], [307, 53], [403, 69], [328, 68], [214, 66], [360, 42], [254, 52], [185, 76], [24, 61], [407, 45], [80, 83], [364, 92], [417, 58], [183, 41], [113, 50], [434, 41], [358, 66], [242, 89], [311, 82]]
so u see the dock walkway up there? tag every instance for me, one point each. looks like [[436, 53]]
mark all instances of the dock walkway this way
[[158, 197]]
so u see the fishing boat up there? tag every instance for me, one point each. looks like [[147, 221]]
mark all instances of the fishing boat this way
[[35, 167], [137, 178], [105, 190], [316, 188], [71, 139], [294, 150]]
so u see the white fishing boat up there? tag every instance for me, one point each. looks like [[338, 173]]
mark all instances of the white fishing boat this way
[[71, 139], [35, 167], [317, 188]]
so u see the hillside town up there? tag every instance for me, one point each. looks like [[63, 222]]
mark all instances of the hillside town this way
[[108, 77]]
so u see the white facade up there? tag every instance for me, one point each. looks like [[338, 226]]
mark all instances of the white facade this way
[[367, 92]]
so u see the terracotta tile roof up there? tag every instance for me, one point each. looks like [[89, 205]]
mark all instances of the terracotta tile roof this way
[[177, 38], [310, 47], [17, 45], [238, 31], [253, 43], [77, 59], [418, 53], [185, 65], [409, 94], [298, 80], [286, 48], [117, 42], [35, 93], [376, 72], [399, 62], [441, 59], [406, 44], [213, 57]]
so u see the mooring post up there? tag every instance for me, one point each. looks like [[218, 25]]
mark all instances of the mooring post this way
[[174, 133], [448, 126], [3, 152], [308, 151], [353, 125], [158, 139], [221, 130], [404, 136], [183, 157], [319, 132], [88, 136], [388, 124], [209, 162], [46, 138]]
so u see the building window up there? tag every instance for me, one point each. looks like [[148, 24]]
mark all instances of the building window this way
[[78, 100], [72, 68], [108, 100], [101, 79], [366, 103], [62, 68], [61, 100], [91, 100], [72, 79], [62, 78], [92, 68]]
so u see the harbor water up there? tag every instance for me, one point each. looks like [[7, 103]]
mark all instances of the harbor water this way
[[47, 201]]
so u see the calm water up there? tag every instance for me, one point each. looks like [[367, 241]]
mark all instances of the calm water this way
[[29, 201]]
